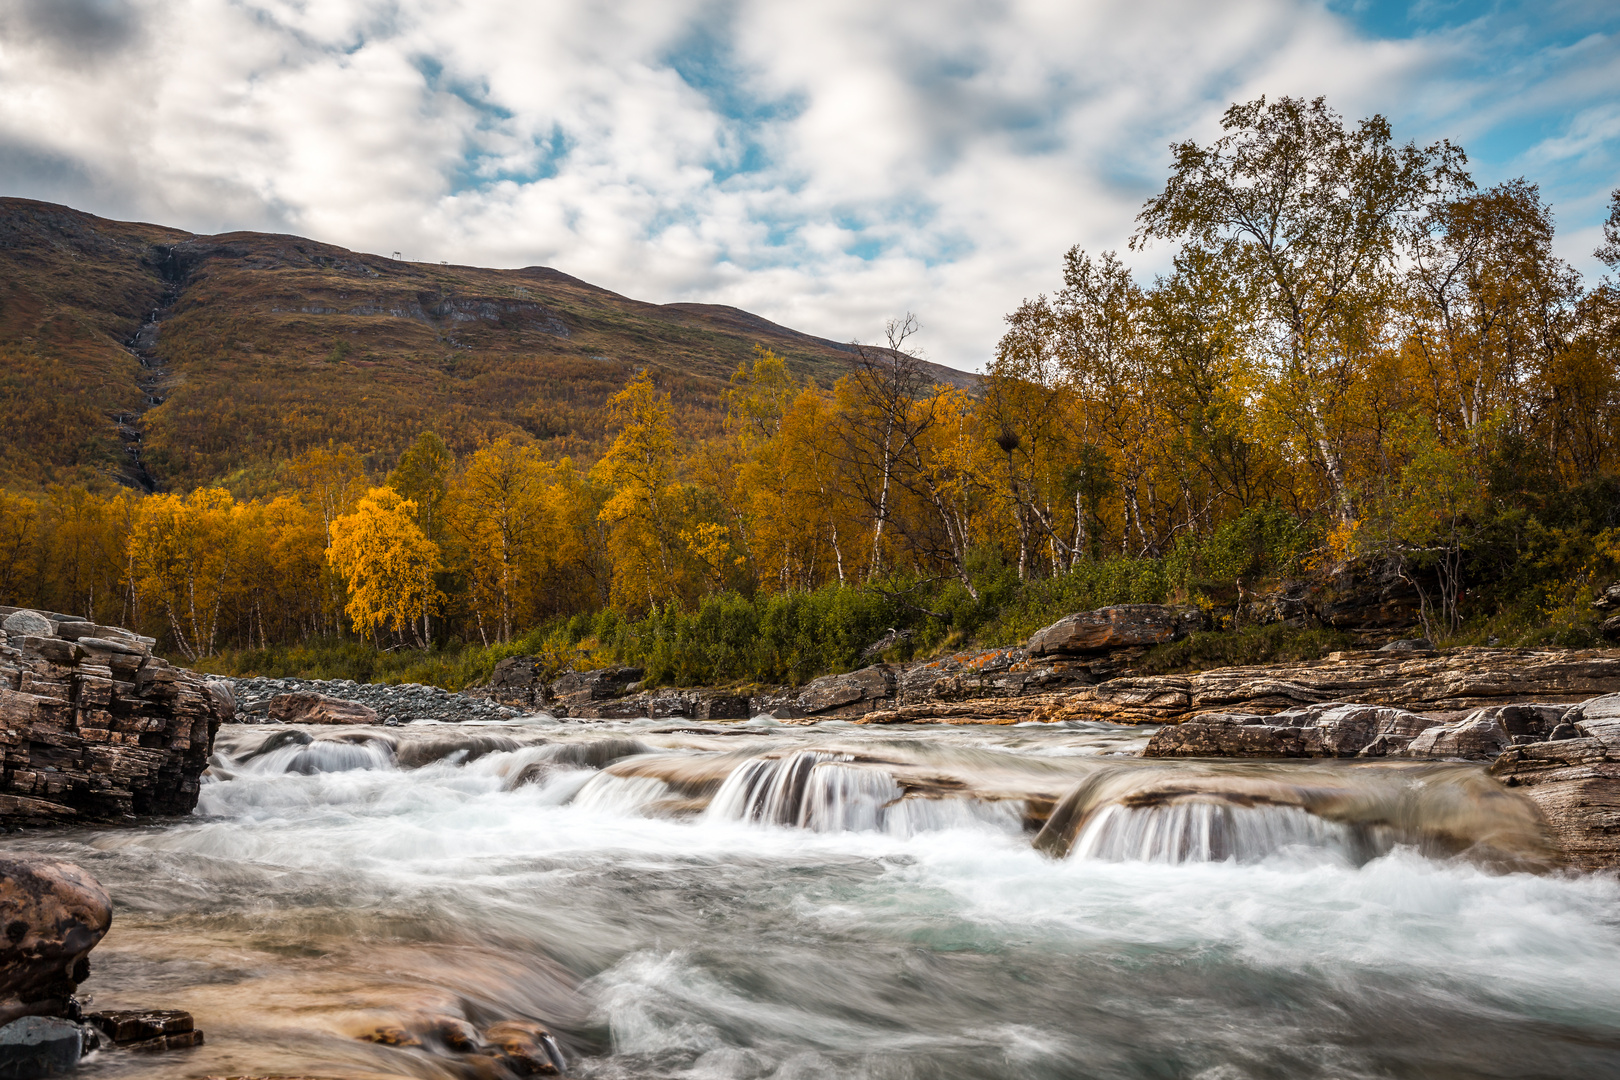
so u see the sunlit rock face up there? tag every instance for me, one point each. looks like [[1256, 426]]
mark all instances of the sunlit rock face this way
[[94, 726]]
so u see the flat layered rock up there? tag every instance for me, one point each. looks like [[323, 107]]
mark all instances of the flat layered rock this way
[[1343, 730], [1575, 781], [1452, 683], [94, 727]]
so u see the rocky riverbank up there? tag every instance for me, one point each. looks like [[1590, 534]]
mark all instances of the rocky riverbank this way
[[1080, 668], [399, 703], [1544, 718], [54, 914]]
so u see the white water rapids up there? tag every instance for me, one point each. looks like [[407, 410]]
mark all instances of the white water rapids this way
[[757, 901]]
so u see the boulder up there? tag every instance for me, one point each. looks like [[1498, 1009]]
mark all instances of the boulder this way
[[96, 728], [40, 1046], [126, 1026], [518, 681], [1480, 735], [1334, 730], [583, 687], [306, 708], [25, 623], [53, 913], [1409, 645], [1598, 718], [851, 694], [1123, 626]]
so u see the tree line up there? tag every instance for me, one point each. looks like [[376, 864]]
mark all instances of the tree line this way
[[1356, 353]]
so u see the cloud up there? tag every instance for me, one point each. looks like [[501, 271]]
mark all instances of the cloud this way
[[74, 31], [825, 165]]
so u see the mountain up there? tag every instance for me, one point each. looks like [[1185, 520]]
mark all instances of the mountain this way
[[162, 359]]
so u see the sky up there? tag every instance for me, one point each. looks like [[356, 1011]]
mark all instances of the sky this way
[[827, 164]]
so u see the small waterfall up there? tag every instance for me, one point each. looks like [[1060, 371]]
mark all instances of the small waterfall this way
[[1193, 832], [846, 798], [1193, 813], [810, 789], [298, 753], [826, 792], [619, 795]]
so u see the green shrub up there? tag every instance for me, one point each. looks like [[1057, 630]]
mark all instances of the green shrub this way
[[1271, 644]]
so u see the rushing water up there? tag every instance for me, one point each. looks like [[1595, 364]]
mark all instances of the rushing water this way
[[760, 901]]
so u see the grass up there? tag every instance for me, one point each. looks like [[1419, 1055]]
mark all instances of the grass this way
[[345, 658], [1277, 643]]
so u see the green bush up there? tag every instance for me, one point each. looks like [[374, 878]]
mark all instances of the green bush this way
[[1276, 643], [777, 638], [1262, 542]]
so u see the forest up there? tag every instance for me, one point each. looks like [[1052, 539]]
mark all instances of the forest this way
[[1357, 356]]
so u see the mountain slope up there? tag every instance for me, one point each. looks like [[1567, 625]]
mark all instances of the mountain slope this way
[[159, 358]]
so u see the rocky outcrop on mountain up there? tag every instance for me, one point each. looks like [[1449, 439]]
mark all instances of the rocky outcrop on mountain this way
[[96, 728]]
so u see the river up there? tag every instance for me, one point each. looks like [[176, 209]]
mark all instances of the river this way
[[709, 902]]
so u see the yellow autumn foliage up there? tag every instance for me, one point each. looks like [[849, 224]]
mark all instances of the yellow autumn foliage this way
[[386, 562]]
